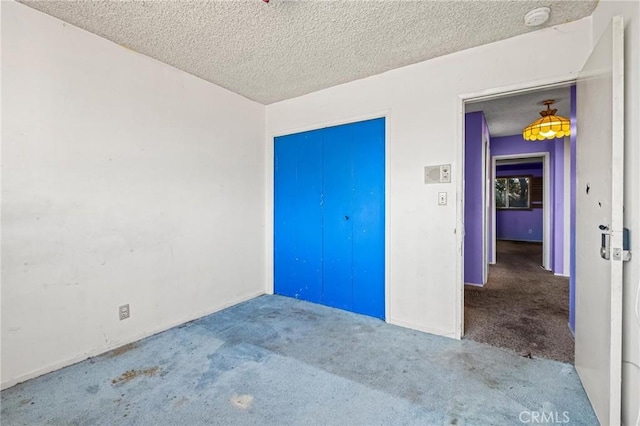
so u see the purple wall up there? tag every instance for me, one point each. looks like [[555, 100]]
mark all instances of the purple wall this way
[[511, 145], [572, 230], [519, 225], [557, 220], [522, 225], [533, 169], [475, 127]]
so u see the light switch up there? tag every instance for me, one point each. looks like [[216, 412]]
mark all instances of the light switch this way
[[442, 198]]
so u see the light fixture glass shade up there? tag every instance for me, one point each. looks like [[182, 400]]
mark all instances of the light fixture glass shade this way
[[550, 126]]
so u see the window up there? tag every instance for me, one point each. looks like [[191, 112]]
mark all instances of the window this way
[[513, 192]]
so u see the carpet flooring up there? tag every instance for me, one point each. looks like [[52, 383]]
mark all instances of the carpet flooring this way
[[522, 307], [280, 361]]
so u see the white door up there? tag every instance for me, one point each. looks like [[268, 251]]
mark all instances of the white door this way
[[599, 203]]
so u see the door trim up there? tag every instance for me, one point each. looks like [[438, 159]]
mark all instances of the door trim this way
[[487, 194], [486, 94]]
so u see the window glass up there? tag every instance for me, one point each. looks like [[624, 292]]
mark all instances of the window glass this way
[[512, 192], [501, 193]]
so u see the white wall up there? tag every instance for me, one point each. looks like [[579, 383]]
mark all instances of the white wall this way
[[124, 181], [631, 327], [421, 105]]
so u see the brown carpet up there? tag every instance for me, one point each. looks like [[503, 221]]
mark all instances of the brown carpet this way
[[522, 307]]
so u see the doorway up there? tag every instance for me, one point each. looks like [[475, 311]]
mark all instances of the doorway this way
[[522, 304], [530, 218]]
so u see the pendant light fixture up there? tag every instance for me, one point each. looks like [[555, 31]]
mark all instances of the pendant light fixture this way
[[550, 126]]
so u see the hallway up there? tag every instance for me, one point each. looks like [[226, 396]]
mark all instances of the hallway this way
[[522, 307]]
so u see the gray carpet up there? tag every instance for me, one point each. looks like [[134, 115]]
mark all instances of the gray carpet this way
[[522, 307], [280, 361]]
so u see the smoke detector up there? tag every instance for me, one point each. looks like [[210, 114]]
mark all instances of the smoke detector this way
[[537, 17]]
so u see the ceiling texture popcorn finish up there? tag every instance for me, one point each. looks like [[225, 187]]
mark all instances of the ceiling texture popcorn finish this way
[[282, 49]]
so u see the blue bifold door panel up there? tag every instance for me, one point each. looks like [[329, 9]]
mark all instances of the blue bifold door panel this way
[[329, 216]]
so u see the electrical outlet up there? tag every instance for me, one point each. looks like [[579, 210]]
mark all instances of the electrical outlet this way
[[124, 311]]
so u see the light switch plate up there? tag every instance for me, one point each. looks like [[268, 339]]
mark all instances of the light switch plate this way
[[442, 198]]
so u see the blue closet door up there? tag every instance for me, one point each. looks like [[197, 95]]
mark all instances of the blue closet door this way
[[337, 176], [329, 216], [367, 217], [298, 216]]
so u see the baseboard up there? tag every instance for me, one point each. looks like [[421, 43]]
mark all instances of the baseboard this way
[[95, 352], [573, 333], [561, 275], [474, 284], [419, 327]]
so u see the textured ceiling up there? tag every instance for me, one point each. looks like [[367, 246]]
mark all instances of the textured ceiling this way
[[508, 115], [278, 50]]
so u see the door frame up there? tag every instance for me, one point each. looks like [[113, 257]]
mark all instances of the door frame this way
[[487, 224], [486, 94], [269, 264], [546, 200]]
